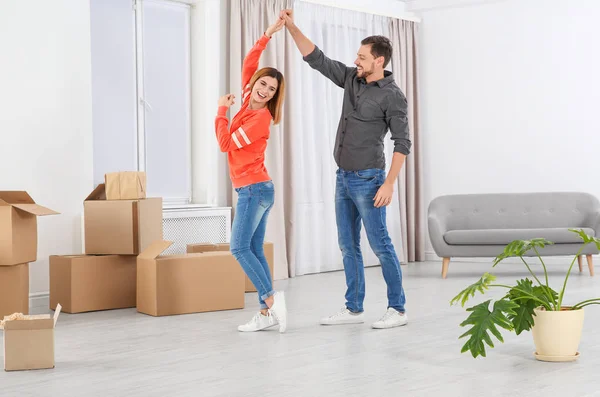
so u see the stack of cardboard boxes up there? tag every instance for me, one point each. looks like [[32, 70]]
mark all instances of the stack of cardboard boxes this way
[[123, 267], [18, 247], [119, 223], [27, 344]]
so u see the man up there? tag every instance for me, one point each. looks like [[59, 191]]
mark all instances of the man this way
[[373, 103]]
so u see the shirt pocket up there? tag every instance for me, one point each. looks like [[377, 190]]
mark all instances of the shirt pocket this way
[[370, 110]]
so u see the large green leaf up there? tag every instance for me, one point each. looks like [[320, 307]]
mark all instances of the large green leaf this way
[[587, 238], [528, 297], [518, 248], [521, 294], [544, 293], [482, 285], [522, 320], [484, 322]]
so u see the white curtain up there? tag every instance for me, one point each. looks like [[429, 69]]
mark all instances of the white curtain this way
[[314, 110]]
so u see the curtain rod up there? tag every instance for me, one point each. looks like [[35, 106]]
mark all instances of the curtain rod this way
[[364, 10]]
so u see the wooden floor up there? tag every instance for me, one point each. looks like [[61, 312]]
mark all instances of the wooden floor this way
[[123, 353]]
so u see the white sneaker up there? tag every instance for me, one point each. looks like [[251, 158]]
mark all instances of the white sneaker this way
[[258, 322], [344, 316], [279, 310], [392, 318]]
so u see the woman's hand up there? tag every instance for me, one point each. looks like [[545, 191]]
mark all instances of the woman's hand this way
[[227, 100], [276, 27]]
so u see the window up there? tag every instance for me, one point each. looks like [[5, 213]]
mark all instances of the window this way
[[141, 90]]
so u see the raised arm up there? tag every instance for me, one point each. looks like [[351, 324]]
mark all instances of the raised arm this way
[[250, 65], [302, 42], [334, 70]]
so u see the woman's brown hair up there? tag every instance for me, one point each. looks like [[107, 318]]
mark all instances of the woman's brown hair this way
[[275, 104]]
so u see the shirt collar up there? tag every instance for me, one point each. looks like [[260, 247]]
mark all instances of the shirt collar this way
[[387, 79]]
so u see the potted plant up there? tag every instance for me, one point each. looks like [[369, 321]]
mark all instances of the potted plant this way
[[527, 305]]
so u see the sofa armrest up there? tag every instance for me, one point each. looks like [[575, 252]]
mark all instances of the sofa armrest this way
[[596, 223], [437, 229]]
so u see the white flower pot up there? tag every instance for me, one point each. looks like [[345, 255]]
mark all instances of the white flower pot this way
[[557, 334]]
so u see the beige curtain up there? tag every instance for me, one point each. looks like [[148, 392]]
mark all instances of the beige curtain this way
[[248, 21], [404, 36]]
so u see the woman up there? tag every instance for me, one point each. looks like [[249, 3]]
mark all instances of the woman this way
[[245, 143]]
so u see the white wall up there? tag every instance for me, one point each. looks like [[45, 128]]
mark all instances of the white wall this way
[[509, 97], [396, 8], [45, 121]]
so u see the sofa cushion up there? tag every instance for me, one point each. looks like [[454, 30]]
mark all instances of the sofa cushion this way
[[505, 236]]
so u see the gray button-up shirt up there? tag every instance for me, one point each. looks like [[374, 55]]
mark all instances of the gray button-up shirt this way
[[369, 110]]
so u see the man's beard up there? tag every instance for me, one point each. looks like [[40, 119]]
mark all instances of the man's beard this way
[[366, 73]]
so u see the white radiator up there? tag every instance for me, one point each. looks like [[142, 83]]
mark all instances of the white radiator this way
[[191, 225]]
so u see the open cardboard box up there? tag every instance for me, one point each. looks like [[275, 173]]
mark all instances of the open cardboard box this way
[[191, 283], [18, 227], [29, 341], [120, 227]]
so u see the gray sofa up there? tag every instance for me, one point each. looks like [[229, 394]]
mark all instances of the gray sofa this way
[[481, 225]]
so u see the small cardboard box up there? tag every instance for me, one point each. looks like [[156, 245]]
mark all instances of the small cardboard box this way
[[85, 283], [207, 247], [29, 342], [18, 227], [125, 185], [14, 289], [120, 227], [192, 283]]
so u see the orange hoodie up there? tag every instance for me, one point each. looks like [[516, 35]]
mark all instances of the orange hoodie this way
[[246, 141]]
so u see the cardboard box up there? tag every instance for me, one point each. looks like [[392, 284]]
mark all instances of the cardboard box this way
[[85, 283], [192, 283], [18, 227], [29, 342], [207, 247], [127, 185], [120, 227], [14, 289]]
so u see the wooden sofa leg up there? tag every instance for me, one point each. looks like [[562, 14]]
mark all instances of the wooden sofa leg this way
[[445, 264], [580, 262], [590, 264]]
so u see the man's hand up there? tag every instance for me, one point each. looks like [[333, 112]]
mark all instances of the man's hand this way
[[227, 100], [384, 195], [287, 16], [305, 46], [276, 27]]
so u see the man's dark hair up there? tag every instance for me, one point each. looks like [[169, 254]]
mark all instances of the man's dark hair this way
[[381, 46]]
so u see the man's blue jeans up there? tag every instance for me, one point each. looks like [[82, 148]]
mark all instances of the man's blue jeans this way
[[354, 203], [248, 234]]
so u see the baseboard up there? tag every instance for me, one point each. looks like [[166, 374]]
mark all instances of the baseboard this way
[[39, 300], [431, 256]]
